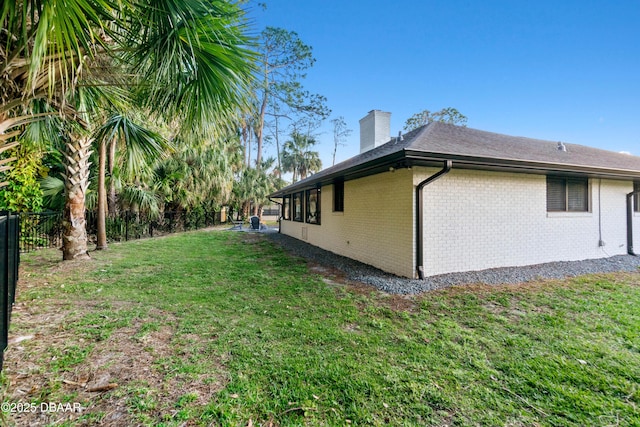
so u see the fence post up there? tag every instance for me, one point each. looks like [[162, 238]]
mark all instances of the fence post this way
[[4, 268], [13, 255], [9, 260]]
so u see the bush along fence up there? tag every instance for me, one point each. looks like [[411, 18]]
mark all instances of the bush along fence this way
[[44, 229], [10, 258]]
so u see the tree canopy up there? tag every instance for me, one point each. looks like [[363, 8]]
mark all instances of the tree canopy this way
[[446, 115], [98, 81], [189, 60], [283, 62]]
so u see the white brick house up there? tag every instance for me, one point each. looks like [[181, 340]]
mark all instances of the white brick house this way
[[444, 199]]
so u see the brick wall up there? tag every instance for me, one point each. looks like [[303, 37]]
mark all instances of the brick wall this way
[[473, 220], [476, 220], [376, 226]]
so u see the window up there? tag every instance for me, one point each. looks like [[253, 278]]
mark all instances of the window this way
[[338, 196], [567, 194], [636, 196], [297, 207], [313, 206], [286, 208]]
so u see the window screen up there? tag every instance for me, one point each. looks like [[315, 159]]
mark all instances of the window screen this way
[[286, 208], [313, 206], [577, 196], [338, 196], [556, 195], [567, 194], [297, 207]]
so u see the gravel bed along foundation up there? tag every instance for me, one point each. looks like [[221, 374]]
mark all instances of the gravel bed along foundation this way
[[357, 271]]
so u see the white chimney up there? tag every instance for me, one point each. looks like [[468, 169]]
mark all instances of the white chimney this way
[[375, 129]]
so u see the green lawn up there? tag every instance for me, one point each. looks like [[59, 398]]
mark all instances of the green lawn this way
[[220, 328]]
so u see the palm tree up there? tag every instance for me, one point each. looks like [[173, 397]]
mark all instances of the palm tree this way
[[42, 61], [310, 162], [264, 184], [298, 158], [195, 175], [289, 163], [140, 144], [252, 187], [186, 58]]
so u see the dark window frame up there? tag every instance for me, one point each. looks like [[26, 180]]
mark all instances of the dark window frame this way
[[312, 212], [636, 196], [568, 194], [286, 207], [338, 196], [299, 196]]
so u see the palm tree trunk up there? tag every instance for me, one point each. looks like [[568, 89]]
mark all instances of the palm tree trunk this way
[[111, 198], [74, 240], [245, 210], [101, 233]]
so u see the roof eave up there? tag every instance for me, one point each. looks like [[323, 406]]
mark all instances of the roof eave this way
[[357, 171], [408, 157]]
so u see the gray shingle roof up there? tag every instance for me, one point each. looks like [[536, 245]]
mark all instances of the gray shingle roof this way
[[477, 149], [461, 141]]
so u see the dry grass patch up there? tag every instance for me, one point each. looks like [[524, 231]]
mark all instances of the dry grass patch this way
[[106, 357]]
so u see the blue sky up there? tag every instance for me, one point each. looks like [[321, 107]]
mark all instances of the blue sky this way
[[556, 70]]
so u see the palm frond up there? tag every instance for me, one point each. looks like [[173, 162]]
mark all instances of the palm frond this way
[[55, 36], [142, 145], [199, 49], [141, 199], [53, 192]]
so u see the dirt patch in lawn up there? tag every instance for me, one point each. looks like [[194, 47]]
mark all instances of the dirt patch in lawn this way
[[336, 277], [98, 381]]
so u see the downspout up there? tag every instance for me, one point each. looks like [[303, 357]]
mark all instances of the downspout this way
[[630, 222], [279, 215], [420, 213]]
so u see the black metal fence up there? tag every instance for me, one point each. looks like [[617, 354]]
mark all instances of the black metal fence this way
[[10, 258], [271, 211], [28, 231], [40, 230], [44, 229]]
